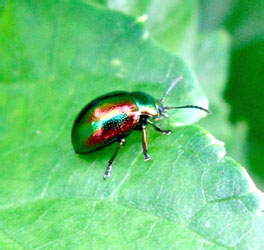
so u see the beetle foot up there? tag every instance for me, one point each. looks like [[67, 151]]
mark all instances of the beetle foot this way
[[106, 175], [167, 132], [107, 172], [147, 158]]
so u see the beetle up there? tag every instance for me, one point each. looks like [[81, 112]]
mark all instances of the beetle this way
[[111, 117]]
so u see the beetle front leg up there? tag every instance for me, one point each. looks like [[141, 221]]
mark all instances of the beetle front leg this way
[[164, 132], [112, 160], [144, 143]]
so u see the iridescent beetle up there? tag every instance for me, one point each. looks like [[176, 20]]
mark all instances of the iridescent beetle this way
[[111, 117]]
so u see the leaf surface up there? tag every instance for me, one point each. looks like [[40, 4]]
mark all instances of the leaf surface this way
[[58, 58]]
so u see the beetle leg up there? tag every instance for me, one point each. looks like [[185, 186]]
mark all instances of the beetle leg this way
[[144, 143], [111, 162], [164, 132]]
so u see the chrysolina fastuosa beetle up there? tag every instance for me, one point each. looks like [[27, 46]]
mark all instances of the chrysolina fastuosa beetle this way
[[111, 117]]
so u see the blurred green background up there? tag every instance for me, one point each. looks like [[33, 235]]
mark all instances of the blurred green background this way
[[244, 91]]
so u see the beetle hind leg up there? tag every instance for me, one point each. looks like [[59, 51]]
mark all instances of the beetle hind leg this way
[[112, 160]]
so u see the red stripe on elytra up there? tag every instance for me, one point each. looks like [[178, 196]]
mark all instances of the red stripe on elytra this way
[[102, 135]]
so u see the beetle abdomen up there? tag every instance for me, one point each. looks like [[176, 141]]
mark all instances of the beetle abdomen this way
[[103, 121]]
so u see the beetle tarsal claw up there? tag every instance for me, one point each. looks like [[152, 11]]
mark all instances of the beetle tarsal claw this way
[[147, 158], [167, 132], [107, 172], [106, 175]]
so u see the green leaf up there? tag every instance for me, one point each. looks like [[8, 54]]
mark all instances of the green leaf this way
[[59, 56]]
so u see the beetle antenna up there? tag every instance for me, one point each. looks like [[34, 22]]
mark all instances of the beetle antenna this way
[[171, 87], [188, 106]]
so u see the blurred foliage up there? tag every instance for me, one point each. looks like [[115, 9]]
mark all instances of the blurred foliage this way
[[245, 92], [170, 23], [211, 65]]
